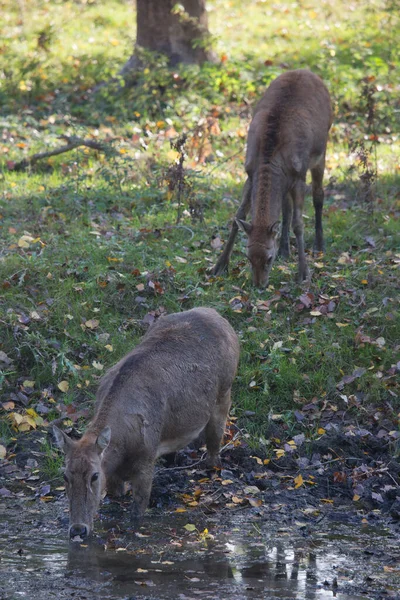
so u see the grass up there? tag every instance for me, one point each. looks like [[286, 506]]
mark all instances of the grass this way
[[103, 252]]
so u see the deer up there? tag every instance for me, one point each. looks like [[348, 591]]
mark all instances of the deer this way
[[175, 384], [287, 136]]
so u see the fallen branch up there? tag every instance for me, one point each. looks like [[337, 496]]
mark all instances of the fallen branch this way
[[73, 142]]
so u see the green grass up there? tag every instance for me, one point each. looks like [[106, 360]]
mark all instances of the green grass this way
[[103, 225]]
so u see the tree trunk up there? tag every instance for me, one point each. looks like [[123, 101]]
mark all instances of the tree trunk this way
[[182, 35]]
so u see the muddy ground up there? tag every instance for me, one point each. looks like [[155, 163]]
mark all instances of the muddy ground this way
[[346, 479]]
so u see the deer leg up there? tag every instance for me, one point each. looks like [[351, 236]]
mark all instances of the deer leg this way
[[317, 174], [223, 261], [215, 429], [298, 226], [284, 248], [141, 480], [115, 486]]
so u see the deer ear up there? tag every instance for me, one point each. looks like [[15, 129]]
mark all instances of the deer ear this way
[[103, 439], [275, 228], [63, 441], [244, 226]]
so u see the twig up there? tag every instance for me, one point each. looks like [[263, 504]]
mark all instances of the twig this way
[[181, 227], [186, 467], [73, 142]]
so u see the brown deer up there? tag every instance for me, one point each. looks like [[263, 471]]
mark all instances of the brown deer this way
[[287, 136], [157, 399]]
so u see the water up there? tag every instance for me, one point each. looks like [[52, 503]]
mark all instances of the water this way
[[242, 558]]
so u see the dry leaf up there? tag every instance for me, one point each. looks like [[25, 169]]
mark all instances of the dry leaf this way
[[63, 386], [92, 324], [298, 481]]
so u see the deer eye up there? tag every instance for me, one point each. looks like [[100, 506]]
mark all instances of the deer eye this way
[[95, 477]]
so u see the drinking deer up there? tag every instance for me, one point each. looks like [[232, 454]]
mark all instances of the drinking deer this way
[[157, 399], [287, 136]]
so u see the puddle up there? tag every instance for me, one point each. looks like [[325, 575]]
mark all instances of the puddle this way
[[246, 557]]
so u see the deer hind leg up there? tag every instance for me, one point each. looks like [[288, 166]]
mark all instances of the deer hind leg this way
[[284, 247], [298, 226], [317, 174], [215, 429], [223, 261]]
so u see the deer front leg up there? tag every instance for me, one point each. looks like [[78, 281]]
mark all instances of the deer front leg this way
[[298, 227], [141, 481], [284, 247], [223, 261]]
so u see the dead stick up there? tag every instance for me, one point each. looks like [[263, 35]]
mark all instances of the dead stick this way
[[73, 142]]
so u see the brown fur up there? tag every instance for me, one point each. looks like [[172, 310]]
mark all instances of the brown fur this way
[[157, 399], [287, 136]]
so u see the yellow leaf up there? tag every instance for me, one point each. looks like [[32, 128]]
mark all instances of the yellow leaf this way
[[31, 412], [30, 422], [109, 347], [279, 453], [326, 500], [92, 323], [356, 497], [321, 431], [16, 418], [257, 459], [3, 452], [298, 481], [226, 482], [315, 313], [342, 324], [267, 461], [364, 281], [63, 386], [28, 383], [24, 241], [180, 510], [24, 427], [237, 500]]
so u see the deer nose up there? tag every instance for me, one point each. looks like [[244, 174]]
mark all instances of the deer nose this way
[[78, 529]]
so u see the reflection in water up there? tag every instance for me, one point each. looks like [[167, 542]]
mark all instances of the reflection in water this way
[[169, 564]]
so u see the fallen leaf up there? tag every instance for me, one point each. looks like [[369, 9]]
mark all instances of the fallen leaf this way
[[190, 527], [4, 358], [255, 502], [63, 386], [97, 365], [298, 481], [3, 452], [92, 323]]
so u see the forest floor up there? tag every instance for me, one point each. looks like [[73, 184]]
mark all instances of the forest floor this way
[[97, 244]]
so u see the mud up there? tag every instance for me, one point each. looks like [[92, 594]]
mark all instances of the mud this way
[[246, 531], [244, 555]]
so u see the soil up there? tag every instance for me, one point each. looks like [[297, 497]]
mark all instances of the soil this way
[[349, 479]]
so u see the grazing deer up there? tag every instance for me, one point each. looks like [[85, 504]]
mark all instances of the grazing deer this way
[[157, 399], [287, 136]]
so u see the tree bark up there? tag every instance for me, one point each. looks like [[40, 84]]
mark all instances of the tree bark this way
[[182, 35]]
